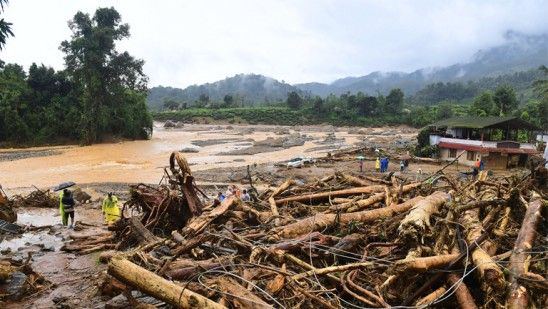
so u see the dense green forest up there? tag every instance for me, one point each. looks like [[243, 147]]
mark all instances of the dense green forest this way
[[465, 91], [366, 110], [248, 90], [101, 93]]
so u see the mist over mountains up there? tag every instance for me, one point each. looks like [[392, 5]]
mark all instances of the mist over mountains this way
[[520, 52], [245, 88]]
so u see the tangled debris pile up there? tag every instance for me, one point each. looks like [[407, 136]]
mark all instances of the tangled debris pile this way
[[36, 198], [17, 279], [342, 241]]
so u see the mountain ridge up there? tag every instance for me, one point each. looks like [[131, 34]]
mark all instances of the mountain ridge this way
[[520, 52]]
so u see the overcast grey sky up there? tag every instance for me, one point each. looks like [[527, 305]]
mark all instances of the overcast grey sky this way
[[192, 42]]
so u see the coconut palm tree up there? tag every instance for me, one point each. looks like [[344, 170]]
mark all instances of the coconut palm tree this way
[[5, 27]]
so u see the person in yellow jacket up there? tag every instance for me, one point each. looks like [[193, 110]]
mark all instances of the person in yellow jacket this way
[[111, 211], [378, 164]]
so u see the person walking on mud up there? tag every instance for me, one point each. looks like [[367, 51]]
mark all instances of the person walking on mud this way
[[66, 207], [111, 211]]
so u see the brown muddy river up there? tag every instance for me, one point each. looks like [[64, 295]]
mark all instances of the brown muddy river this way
[[143, 161]]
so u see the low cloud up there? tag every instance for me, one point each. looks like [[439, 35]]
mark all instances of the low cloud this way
[[192, 42]]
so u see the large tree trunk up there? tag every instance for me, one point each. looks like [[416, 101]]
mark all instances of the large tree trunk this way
[[373, 199], [314, 197], [194, 203], [321, 221], [519, 264], [488, 269], [140, 231], [198, 224], [156, 286], [418, 219]]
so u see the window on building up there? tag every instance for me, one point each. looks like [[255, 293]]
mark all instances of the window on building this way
[[452, 153], [470, 156]]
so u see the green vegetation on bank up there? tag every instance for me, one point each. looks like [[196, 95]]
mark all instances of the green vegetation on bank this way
[[365, 110], [100, 94]]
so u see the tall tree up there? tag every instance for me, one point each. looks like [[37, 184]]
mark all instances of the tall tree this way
[[318, 104], [294, 100], [505, 100], [5, 27], [444, 111], [228, 100], [394, 101], [483, 105], [111, 82], [13, 105]]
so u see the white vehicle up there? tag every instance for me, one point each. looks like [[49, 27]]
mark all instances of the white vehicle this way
[[300, 162]]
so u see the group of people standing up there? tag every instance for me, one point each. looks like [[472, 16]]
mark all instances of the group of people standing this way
[[233, 190], [381, 164]]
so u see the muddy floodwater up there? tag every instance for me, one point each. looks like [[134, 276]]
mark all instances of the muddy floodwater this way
[[143, 161]]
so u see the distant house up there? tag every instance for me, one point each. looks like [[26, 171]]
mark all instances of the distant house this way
[[493, 139]]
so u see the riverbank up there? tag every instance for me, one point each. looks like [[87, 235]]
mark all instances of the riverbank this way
[[215, 146], [283, 116]]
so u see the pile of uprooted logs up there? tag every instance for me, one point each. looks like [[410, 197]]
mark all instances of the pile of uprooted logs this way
[[341, 242]]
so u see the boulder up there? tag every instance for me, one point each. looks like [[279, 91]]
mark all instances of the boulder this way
[[170, 124]]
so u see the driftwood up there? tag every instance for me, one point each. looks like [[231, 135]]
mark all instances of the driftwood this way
[[423, 264], [418, 219], [518, 296], [198, 224], [321, 221], [156, 286], [464, 298], [314, 197], [272, 202], [338, 241]]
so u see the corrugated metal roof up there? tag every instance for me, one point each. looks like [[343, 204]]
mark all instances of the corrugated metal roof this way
[[474, 122]]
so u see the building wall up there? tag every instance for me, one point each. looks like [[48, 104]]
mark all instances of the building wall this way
[[492, 160], [445, 155], [495, 161]]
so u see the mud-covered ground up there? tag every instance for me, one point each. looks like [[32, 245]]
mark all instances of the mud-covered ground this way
[[72, 278], [106, 168], [212, 146]]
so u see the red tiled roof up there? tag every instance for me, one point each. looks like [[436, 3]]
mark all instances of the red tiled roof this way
[[482, 149]]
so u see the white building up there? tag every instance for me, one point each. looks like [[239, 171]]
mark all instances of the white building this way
[[492, 139]]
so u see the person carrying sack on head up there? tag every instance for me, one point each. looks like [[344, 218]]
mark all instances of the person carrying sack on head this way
[[111, 211]]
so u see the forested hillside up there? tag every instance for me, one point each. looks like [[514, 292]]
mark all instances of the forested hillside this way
[[513, 63], [241, 89], [438, 92]]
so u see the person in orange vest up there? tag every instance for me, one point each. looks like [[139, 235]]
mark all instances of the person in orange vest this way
[[477, 164]]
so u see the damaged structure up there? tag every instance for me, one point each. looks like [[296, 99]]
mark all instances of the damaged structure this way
[[501, 142]]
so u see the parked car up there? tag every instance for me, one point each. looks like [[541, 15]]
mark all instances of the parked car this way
[[300, 161]]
